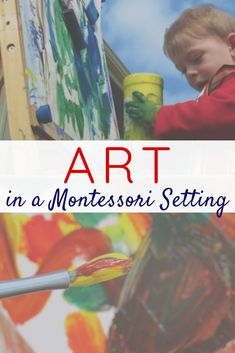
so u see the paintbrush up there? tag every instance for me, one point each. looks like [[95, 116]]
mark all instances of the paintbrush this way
[[100, 269]]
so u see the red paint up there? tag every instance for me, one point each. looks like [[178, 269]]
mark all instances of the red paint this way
[[41, 235], [101, 264]]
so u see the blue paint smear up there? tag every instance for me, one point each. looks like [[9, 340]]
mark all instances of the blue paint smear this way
[[36, 38], [91, 12], [36, 34], [52, 36], [94, 59], [84, 84]]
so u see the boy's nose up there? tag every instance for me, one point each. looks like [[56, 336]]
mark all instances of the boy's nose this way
[[191, 72], [191, 75]]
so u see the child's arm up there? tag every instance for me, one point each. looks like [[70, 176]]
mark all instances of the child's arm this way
[[211, 117]]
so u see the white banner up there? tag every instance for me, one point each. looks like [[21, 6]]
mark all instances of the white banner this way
[[117, 176]]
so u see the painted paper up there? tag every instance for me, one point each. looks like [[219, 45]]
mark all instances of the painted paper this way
[[40, 243], [66, 70], [179, 296]]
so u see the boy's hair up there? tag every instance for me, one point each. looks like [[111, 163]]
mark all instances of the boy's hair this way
[[197, 22]]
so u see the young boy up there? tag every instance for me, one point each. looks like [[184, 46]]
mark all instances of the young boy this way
[[201, 44]]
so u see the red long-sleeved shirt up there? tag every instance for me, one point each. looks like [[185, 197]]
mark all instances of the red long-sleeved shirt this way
[[210, 117]]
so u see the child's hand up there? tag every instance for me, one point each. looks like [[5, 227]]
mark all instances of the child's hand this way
[[141, 108]]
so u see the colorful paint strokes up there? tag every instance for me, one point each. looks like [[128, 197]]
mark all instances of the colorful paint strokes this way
[[40, 243], [66, 67], [179, 293]]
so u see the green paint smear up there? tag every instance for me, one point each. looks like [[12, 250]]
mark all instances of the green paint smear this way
[[66, 55], [68, 84], [69, 110], [89, 219], [105, 114], [91, 298]]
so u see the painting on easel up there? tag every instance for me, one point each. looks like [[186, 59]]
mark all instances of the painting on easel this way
[[64, 67]]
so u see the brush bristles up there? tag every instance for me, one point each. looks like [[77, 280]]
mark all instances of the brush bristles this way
[[100, 269]]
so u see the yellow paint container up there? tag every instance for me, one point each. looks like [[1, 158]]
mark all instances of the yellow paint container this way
[[151, 85]]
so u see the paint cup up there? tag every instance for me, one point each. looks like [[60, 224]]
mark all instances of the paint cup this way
[[43, 114], [151, 85]]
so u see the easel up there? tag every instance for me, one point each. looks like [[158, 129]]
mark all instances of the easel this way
[[12, 71]]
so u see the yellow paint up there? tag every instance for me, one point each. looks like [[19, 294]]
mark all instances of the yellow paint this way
[[218, 247], [69, 225], [104, 274], [31, 76], [130, 230], [13, 224], [136, 228]]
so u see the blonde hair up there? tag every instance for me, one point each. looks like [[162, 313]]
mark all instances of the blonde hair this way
[[197, 22]]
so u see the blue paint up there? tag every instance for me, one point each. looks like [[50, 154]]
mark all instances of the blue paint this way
[[84, 84], [94, 59], [36, 34], [91, 12]]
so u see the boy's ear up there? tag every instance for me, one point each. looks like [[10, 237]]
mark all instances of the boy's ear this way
[[231, 42]]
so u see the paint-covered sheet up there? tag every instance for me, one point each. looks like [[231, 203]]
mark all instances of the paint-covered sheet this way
[[75, 320], [179, 296], [66, 70]]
